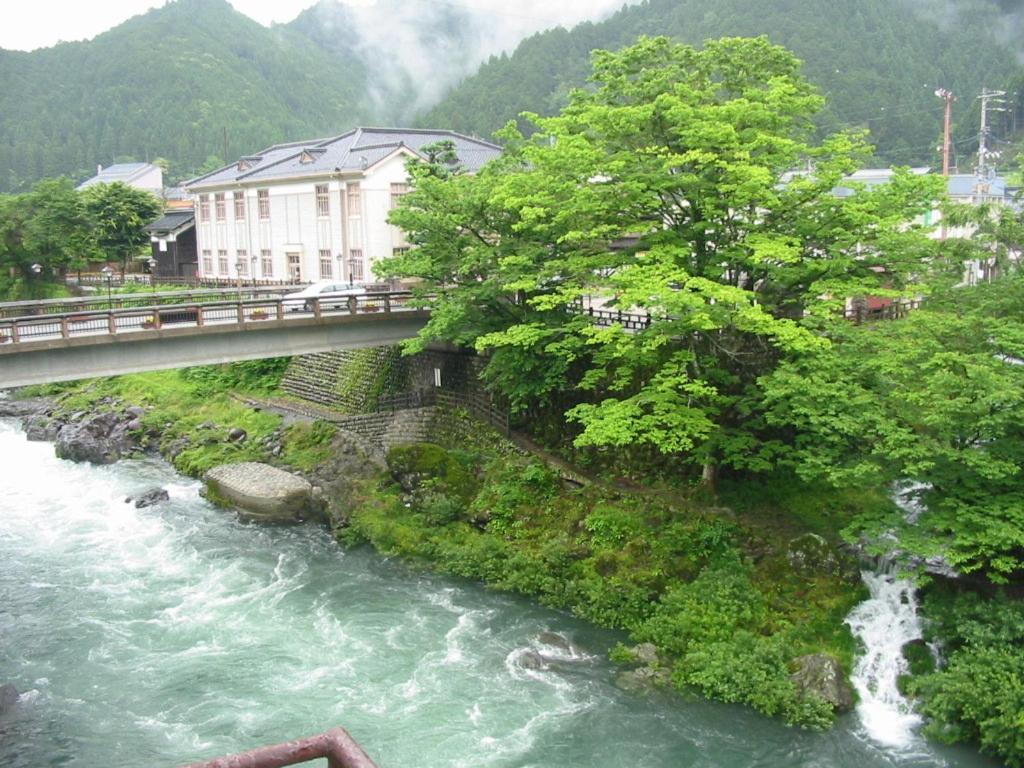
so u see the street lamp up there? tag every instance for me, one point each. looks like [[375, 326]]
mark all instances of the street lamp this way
[[239, 266], [152, 272], [108, 273], [36, 268], [352, 270], [252, 274]]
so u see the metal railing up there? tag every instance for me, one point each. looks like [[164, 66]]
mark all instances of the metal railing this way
[[124, 300], [111, 322], [340, 749]]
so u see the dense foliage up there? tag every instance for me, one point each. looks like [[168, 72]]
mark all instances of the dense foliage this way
[[978, 694], [936, 399], [54, 228], [878, 60], [735, 263]]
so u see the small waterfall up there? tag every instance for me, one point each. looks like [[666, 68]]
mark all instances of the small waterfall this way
[[884, 623]]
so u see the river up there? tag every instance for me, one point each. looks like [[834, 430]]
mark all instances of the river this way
[[157, 636]]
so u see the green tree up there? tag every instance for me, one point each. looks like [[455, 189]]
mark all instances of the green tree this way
[[686, 156], [934, 398], [119, 213], [49, 228]]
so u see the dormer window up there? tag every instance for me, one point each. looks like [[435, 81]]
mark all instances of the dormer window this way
[[305, 158], [247, 162]]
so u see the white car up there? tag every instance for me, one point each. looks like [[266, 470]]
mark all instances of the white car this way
[[332, 295]]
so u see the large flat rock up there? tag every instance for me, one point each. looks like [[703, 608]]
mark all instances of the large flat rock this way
[[262, 491]]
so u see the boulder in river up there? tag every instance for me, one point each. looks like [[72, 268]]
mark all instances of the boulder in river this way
[[818, 674], [8, 697], [100, 439], [149, 498], [261, 491], [41, 428]]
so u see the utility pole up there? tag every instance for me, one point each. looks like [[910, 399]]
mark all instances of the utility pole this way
[[948, 97], [984, 153]]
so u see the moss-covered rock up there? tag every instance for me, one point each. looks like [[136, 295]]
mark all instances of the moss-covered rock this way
[[420, 466]]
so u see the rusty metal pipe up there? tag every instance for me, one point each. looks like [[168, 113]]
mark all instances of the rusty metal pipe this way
[[340, 749]]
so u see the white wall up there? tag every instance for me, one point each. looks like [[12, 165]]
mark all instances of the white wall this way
[[295, 227]]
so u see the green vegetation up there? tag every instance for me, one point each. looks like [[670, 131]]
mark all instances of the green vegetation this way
[[690, 150], [54, 228], [878, 60], [978, 693], [714, 591], [308, 445]]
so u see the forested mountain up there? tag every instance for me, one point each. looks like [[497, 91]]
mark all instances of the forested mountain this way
[[167, 83], [878, 61]]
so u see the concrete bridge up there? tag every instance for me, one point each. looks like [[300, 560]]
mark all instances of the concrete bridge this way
[[63, 346]]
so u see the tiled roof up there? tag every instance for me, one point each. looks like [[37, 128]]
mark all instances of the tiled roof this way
[[126, 172], [352, 151], [171, 221]]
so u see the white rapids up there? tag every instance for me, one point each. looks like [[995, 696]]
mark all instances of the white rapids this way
[[884, 624]]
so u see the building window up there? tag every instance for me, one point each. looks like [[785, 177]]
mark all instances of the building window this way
[[398, 191], [222, 262], [355, 199], [325, 265], [355, 265], [204, 208], [242, 262], [294, 267], [207, 262], [323, 203], [263, 202], [239, 206], [266, 263], [399, 251], [219, 208]]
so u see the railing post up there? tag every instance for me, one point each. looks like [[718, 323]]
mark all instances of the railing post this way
[[156, 319], [280, 309], [111, 323], [387, 302], [241, 312], [199, 316], [317, 310], [15, 336], [64, 327]]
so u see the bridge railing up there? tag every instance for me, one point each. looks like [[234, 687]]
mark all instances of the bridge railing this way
[[340, 749], [120, 301], [111, 322]]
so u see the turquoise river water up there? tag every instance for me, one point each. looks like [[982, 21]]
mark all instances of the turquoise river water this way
[[157, 636]]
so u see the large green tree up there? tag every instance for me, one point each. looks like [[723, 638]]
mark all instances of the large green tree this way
[[118, 214], [685, 158]]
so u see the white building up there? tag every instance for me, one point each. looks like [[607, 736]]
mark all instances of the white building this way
[[316, 209]]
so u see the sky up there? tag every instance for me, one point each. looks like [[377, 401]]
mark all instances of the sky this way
[[31, 24]]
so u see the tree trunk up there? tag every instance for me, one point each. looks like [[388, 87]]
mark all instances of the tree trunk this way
[[709, 477]]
